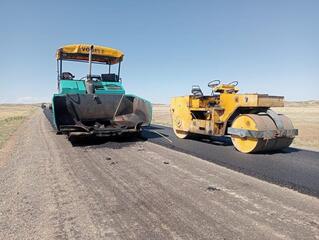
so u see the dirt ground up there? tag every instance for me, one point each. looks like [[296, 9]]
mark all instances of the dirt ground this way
[[304, 115], [134, 189], [11, 116]]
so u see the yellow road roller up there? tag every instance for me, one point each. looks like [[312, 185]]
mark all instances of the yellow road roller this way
[[247, 118]]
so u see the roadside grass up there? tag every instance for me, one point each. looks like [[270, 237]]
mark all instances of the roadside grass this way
[[304, 116], [11, 117]]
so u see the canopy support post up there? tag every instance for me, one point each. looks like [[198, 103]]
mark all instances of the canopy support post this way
[[58, 73], [89, 81], [90, 60], [119, 70]]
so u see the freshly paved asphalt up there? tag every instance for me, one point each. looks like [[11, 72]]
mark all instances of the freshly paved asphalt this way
[[293, 168]]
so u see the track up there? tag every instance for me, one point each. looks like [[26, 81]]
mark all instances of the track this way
[[129, 188], [294, 168]]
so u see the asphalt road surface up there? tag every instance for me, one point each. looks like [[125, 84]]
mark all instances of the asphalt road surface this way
[[294, 168], [133, 189]]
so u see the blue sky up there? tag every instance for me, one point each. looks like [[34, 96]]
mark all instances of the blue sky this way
[[268, 46]]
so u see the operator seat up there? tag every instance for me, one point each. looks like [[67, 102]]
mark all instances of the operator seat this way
[[197, 91], [110, 77], [67, 76]]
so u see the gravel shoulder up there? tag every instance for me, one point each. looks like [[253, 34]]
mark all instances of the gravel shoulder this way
[[50, 189]]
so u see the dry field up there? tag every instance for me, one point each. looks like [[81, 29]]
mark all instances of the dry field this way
[[304, 115], [11, 116]]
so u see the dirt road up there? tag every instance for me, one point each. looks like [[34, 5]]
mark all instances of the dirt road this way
[[50, 189]]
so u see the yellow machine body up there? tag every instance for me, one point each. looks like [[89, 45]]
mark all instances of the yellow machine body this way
[[247, 118]]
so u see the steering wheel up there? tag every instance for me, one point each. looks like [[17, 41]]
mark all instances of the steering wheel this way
[[213, 83], [233, 83]]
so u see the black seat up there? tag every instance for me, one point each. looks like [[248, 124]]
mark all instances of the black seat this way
[[110, 77], [197, 91], [67, 76]]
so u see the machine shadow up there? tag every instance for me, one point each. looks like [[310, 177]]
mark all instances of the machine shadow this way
[[114, 142], [226, 141], [287, 150], [154, 127], [214, 140], [149, 133]]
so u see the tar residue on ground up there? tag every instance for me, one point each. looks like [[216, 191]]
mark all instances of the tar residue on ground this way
[[212, 189]]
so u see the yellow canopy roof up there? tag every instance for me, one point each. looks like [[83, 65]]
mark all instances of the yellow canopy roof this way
[[81, 52]]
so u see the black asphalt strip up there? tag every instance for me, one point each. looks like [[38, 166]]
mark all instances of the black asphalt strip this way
[[291, 167]]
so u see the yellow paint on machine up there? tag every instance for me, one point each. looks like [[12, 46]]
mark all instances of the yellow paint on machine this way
[[81, 52], [247, 113]]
